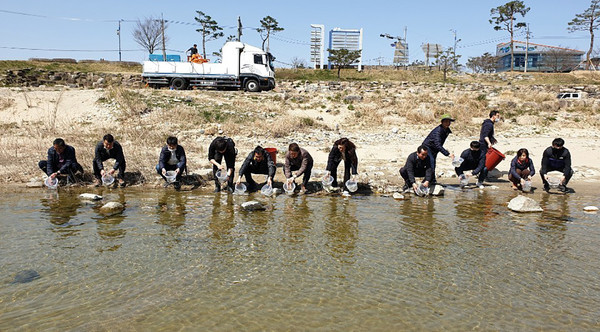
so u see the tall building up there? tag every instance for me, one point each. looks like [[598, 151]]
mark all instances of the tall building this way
[[540, 58], [317, 45], [350, 39]]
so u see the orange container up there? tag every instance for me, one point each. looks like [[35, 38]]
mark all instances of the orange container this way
[[493, 158], [273, 153]]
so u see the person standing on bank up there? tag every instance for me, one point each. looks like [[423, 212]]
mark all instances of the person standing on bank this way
[[343, 149], [172, 158], [486, 135], [257, 162], [473, 159], [298, 162], [521, 169], [108, 148], [436, 139], [418, 164], [61, 160], [222, 147], [557, 158]]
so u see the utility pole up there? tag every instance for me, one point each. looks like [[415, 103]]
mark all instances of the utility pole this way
[[526, 47], [454, 50], [162, 28], [119, 34], [239, 29]]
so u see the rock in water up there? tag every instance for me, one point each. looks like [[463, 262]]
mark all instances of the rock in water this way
[[26, 276], [437, 190], [524, 204], [398, 196], [252, 206], [112, 208], [92, 197], [590, 208]]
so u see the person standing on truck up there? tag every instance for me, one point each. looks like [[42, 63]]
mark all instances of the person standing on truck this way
[[436, 139], [257, 162], [486, 136], [108, 148], [223, 147], [192, 50]]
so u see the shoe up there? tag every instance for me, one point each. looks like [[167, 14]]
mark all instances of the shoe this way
[[121, 183], [405, 188], [479, 185], [97, 183], [546, 187], [217, 189], [230, 189], [166, 184], [346, 193], [563, 188], [177, 185], [302, 191]]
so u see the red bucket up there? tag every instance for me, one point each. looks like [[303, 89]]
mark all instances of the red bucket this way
[[273, 153], [493, 158]]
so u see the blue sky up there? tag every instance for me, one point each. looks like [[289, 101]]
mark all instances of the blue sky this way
[[87, 30]]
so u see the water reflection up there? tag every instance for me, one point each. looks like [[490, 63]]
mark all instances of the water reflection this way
[[297, 218], [222, 218], [171, 208], [59, 210], [341, 228]]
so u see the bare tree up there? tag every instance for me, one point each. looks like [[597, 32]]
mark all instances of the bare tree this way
[[558, 60], [298, 63], [210, 30], [148, 34], [485, 63], [505, 20], [268, 26], [588, 20]]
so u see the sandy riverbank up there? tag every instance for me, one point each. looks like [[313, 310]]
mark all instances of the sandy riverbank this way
[[386, 124]]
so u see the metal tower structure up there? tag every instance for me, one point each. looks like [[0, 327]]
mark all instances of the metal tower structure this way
[[317, 45], [401, 49]]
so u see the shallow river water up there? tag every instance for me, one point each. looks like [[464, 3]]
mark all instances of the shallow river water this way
[[196, 261]]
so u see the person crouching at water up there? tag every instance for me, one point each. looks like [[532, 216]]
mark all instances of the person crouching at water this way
[[473, 159], [223, 147], [521, 169], [108, 148], [257, 162], [557, 158], [418, 164], [172, 158], [61, 160], [343, 149], [436, 139], [298, 162]]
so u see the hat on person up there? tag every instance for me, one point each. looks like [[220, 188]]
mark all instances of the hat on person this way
[[447, 117]]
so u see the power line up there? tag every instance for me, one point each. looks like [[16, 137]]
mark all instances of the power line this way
[[61, 50], [62, 18]]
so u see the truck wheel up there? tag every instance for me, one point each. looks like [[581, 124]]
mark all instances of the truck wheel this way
[[252, 86], [179, 83]]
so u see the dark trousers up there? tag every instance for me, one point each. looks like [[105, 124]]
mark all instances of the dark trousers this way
[[469, 167], [306, 174], [433, 157], [523, 173], [218, 159], [121, 169], [404, 175], [168, 168], [347, 169], [74, 168], [568, 174], [253, 186]]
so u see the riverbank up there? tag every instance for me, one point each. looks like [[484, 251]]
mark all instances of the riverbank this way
[[387, 121]]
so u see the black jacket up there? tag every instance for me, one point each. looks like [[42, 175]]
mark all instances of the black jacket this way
[[474, 159], [335, 157], [415, 167], [559, 160], [53, 160], [487, 130], [101, 154], [436, 139], [165, 155], [229, 153], [266, 166]]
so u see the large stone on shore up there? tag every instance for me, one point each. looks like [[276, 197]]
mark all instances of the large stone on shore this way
[[252, 206], [91, 197], [398, 196], [437, 190], [112, 208], [34, 184], [524, 204], [206, 174]]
